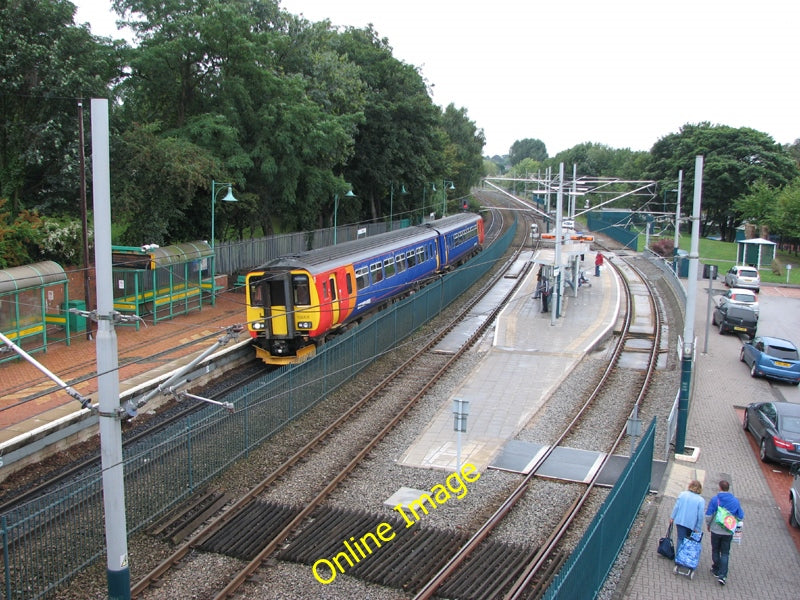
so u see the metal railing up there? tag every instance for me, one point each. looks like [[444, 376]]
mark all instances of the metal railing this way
[[584, 573]]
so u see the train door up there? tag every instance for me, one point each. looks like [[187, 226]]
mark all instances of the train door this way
[[334, 290], [275, 296]]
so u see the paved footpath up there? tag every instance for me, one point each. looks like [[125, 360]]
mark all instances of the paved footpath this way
[[767, 563]]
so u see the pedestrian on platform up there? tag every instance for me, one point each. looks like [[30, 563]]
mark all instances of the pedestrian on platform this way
[[545, 294], [687, 514], [723, 516], [539, 284], [598, 262]]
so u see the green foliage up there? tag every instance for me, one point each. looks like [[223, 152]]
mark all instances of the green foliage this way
[[734, 159], [48, 65], [527, 148], [18, 236], [61, 240]]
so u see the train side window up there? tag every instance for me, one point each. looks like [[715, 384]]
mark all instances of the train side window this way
[[325, 290], [302, 295], [376, 272], [388, 266], [420, 255], [400, 262], [410, 258], [362, 278], [349, 280]]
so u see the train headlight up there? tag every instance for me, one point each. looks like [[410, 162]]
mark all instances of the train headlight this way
[[258, 325], [304, 324]]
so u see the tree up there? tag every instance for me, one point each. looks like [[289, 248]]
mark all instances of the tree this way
[[48, 65], [734, 159], [466, 144], [527, 148], [401, 139]]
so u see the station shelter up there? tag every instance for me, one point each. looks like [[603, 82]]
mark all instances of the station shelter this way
[[159, 283], [568, 271], [34, 307], [755, 252]]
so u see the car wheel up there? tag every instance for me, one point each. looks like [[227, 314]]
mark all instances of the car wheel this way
[[762, 451], [713, 318], [753, 370], [745, 421], [792, 518], [721, 328], [741, 354]]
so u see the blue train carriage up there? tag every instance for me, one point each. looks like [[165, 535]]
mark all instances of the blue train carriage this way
[[295, 302]]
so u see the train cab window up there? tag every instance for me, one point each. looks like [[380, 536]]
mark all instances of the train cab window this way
[[400, 262], [256, 296], [349, 279], [376, 272], [302, 294], [388, 266], [362, 278]]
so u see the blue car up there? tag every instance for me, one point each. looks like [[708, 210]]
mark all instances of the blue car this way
[[772, 357]]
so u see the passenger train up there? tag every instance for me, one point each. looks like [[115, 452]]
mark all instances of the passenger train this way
[[295, 302]]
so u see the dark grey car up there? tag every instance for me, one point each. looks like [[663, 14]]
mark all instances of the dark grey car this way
[[735, 318]]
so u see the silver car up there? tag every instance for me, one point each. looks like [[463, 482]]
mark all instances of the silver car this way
[[743, 277]]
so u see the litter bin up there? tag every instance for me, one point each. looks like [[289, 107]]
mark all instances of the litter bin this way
[[683, 263], [76, 322], [709, 271]]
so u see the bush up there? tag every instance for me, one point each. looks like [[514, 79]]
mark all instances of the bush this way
[[663, 247]]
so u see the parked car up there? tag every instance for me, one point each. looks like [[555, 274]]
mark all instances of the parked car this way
[[772, 357], [794, 496], [743, 277], [737, 318], [740, 296], [776, 428]]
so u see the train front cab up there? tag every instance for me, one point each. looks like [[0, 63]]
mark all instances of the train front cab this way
[[280, 315], [289, 309]]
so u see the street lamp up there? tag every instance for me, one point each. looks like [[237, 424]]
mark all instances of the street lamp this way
[[349, 194], [228, 198], [391, 202], [446, 185]]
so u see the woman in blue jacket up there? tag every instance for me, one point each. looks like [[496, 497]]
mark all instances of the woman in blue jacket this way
[[688, 512], [721, 535]]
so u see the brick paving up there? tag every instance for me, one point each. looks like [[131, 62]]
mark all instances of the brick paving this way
[[767, 563]]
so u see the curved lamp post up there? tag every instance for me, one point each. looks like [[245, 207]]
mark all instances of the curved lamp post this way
[[403, 192], [228, 198], [446, 185], [349, 194]]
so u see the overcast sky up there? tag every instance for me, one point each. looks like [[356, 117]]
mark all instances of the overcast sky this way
[[618, 72]]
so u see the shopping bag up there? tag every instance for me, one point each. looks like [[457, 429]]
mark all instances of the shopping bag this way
[[689, 551], [725, 519], [665, 546]]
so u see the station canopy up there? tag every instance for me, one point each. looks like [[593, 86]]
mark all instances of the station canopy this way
[[36, 275]]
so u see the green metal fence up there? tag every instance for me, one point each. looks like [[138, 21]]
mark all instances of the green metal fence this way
[[583, 574], [47, 541]]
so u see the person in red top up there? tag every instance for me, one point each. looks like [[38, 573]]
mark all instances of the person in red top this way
[[598, 262]]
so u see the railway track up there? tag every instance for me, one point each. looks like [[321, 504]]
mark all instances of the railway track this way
[[415, 376]]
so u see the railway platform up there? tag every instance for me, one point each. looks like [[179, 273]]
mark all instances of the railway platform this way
[[32, 405]]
